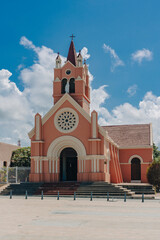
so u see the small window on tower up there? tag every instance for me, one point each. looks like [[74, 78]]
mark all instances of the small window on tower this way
[[63, 84], [68, 72], [72, 85], [4, 164]]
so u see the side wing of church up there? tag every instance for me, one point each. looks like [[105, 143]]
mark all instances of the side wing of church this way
[[67, 144]]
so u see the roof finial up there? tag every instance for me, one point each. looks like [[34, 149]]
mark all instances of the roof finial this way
[[58, 57], [72, 36], [19, 143]]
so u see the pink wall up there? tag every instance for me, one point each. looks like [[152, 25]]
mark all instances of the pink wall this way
[[125, 154]]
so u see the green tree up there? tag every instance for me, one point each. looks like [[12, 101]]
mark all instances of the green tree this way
[[21, 157], [156, 153], [153, 174]]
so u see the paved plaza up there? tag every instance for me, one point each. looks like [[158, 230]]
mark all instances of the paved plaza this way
[[48, 219]]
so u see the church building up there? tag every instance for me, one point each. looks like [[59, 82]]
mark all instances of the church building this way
[[68, 144]]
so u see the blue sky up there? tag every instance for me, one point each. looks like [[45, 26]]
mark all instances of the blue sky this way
[[128, 63]]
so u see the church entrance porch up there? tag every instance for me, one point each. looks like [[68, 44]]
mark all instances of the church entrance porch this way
[[68, 165], [135, 169]]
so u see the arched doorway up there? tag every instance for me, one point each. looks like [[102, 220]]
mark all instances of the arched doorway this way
[[68, 165], [135, 169]]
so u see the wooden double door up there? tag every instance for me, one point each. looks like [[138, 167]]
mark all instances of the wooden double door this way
[[136, 169], [68, 165]]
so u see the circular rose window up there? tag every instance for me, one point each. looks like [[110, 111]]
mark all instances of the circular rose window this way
[[66, 120]]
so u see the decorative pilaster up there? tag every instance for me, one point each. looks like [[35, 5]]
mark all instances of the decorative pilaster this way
[[94, 124], [38, 127]]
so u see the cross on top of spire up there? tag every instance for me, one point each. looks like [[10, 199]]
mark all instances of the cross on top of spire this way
[[72, 36]]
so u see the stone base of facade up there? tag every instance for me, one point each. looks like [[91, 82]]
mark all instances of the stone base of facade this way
[[81, 177], [41, 177], [93, 177]]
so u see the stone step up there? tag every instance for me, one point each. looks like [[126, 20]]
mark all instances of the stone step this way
[[139, 189], [81, 189]]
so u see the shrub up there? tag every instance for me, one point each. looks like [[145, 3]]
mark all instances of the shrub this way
[[153, 174]]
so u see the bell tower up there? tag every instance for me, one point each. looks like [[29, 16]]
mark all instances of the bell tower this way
[[72, 78]]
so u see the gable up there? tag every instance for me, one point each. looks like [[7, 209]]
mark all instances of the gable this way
[[68, 65], [58, 105]]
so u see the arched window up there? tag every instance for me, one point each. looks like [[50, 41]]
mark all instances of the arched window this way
[[4, 164], [63, 84], [72, 85]]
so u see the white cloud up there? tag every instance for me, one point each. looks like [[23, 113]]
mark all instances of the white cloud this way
[[20, 66], [84, 53], [148, 111], [98, 97], [15, 112], [116, 61], [17, 108], [27, 43], [132, 90], [140, 55]]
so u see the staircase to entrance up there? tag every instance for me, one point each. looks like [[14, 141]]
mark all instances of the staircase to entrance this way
[[98, 189]]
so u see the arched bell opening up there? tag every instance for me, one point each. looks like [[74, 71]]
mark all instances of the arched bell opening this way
[[63, 85], [68, 165], [72, 85], [135, 169]]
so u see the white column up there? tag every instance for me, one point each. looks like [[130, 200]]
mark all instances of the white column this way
[[53, 166], [82, 166], [56, 166], [94, 165], [40, 165], [97, 165]]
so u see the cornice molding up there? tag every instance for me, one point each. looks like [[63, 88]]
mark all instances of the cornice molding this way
[[136, 147]]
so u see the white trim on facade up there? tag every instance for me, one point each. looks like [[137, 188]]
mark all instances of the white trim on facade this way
[[57, 80], [136, 147], [94, 139], [60, 143], [89, 157], [37, 127], [94, 123], [79, 78], [130, 163], [135, 156]]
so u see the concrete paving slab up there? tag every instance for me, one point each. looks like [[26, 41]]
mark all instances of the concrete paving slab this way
[[81, 219]]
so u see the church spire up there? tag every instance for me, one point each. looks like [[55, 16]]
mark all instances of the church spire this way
[[72, 53]]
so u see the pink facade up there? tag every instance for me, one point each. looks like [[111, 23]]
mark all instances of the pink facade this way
[[67, 144]]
